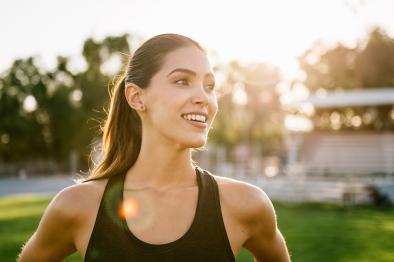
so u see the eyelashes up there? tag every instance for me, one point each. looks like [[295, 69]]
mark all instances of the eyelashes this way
[[184, 81], [211, 87]]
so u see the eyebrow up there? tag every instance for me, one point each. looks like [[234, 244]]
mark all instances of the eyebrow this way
[[188, 71]]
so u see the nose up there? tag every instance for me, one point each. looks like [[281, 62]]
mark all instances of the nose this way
[[200, 96]]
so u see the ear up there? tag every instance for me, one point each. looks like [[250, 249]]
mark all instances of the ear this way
[[133, 94]]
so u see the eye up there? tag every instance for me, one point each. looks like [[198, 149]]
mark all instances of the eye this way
[[182, 81], [211, 86]]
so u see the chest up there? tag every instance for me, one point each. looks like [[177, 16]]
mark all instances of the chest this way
[[160, 218]]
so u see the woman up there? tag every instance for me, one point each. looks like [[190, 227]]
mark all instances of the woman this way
[[147, 200]]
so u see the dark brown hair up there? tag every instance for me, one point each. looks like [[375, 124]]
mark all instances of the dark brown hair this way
[[121, 140]]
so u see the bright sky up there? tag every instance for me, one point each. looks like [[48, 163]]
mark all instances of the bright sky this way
[[273, 31]]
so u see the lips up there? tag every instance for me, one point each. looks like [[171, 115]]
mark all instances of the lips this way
[[196, 116], [196, 124]]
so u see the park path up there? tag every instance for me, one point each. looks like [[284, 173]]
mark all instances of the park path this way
[[49, 185]]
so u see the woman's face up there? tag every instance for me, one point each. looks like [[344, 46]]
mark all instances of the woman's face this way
[[184, 84]]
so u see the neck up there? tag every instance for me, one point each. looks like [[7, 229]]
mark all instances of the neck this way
[[161, 166]]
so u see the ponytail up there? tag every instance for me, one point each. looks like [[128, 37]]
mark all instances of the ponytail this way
[[121, 141]]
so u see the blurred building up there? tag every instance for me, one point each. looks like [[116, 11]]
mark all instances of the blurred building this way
[[350, 164], [344, 152]]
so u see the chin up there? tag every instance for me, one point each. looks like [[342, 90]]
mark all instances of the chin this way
[[197, 145], [194, 143]]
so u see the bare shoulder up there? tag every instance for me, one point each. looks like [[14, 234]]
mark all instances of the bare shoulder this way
[[255, 212], [81, 198], [246, 201], [74, 203], [59, 227]]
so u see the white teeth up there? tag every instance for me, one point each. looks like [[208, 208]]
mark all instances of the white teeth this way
[[195, 117], [201, 118]]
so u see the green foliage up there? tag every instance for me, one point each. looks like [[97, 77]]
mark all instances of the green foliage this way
[[19, 127], [365, 66], [65, 108], [369, 65], [376, 60]]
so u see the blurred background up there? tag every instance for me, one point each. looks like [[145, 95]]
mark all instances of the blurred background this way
[[305, 92]]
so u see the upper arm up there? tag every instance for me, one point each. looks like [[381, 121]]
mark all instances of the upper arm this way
[[54, 238], [265, 241]]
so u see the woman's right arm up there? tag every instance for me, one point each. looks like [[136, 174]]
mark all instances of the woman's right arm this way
[[54, 237]]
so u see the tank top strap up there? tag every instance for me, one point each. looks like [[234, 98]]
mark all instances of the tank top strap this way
[[212, 212]]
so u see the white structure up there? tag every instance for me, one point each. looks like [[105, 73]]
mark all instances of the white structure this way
[[362, 97], [336, 166], [343, 153], [348, 153]]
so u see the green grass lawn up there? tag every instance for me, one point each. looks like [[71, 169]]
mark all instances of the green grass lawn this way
[[313, 232]]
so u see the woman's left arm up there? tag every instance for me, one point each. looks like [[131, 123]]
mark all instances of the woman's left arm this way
[[265, 240]]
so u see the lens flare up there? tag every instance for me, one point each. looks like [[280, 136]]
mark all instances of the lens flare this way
[[138, 210], [129, 208]]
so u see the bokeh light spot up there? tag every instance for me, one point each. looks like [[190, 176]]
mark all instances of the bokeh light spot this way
[[129, 208]]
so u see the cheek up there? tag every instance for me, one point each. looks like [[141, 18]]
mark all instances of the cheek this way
[[214, 106], [165, 109]]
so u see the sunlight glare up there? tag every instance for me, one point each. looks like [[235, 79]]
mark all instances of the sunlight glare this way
[[298, 123], [239, 94], [129, 208], [308, 109], [30, 104]]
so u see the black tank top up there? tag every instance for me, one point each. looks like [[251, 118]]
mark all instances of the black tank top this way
[[206, 240]]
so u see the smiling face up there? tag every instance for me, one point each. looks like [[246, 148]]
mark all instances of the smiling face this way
[[184, 84]]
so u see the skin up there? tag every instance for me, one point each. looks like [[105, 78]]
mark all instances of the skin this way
[[168, 188]]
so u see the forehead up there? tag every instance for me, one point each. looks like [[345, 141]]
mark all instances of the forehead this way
[[187, 57]]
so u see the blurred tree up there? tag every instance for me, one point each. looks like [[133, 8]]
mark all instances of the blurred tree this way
[[22, 91], [334, 69], [249, 108], [93, 84], [350, 68], [375, 62], [60, 112], [367, 66], [49, 115]]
